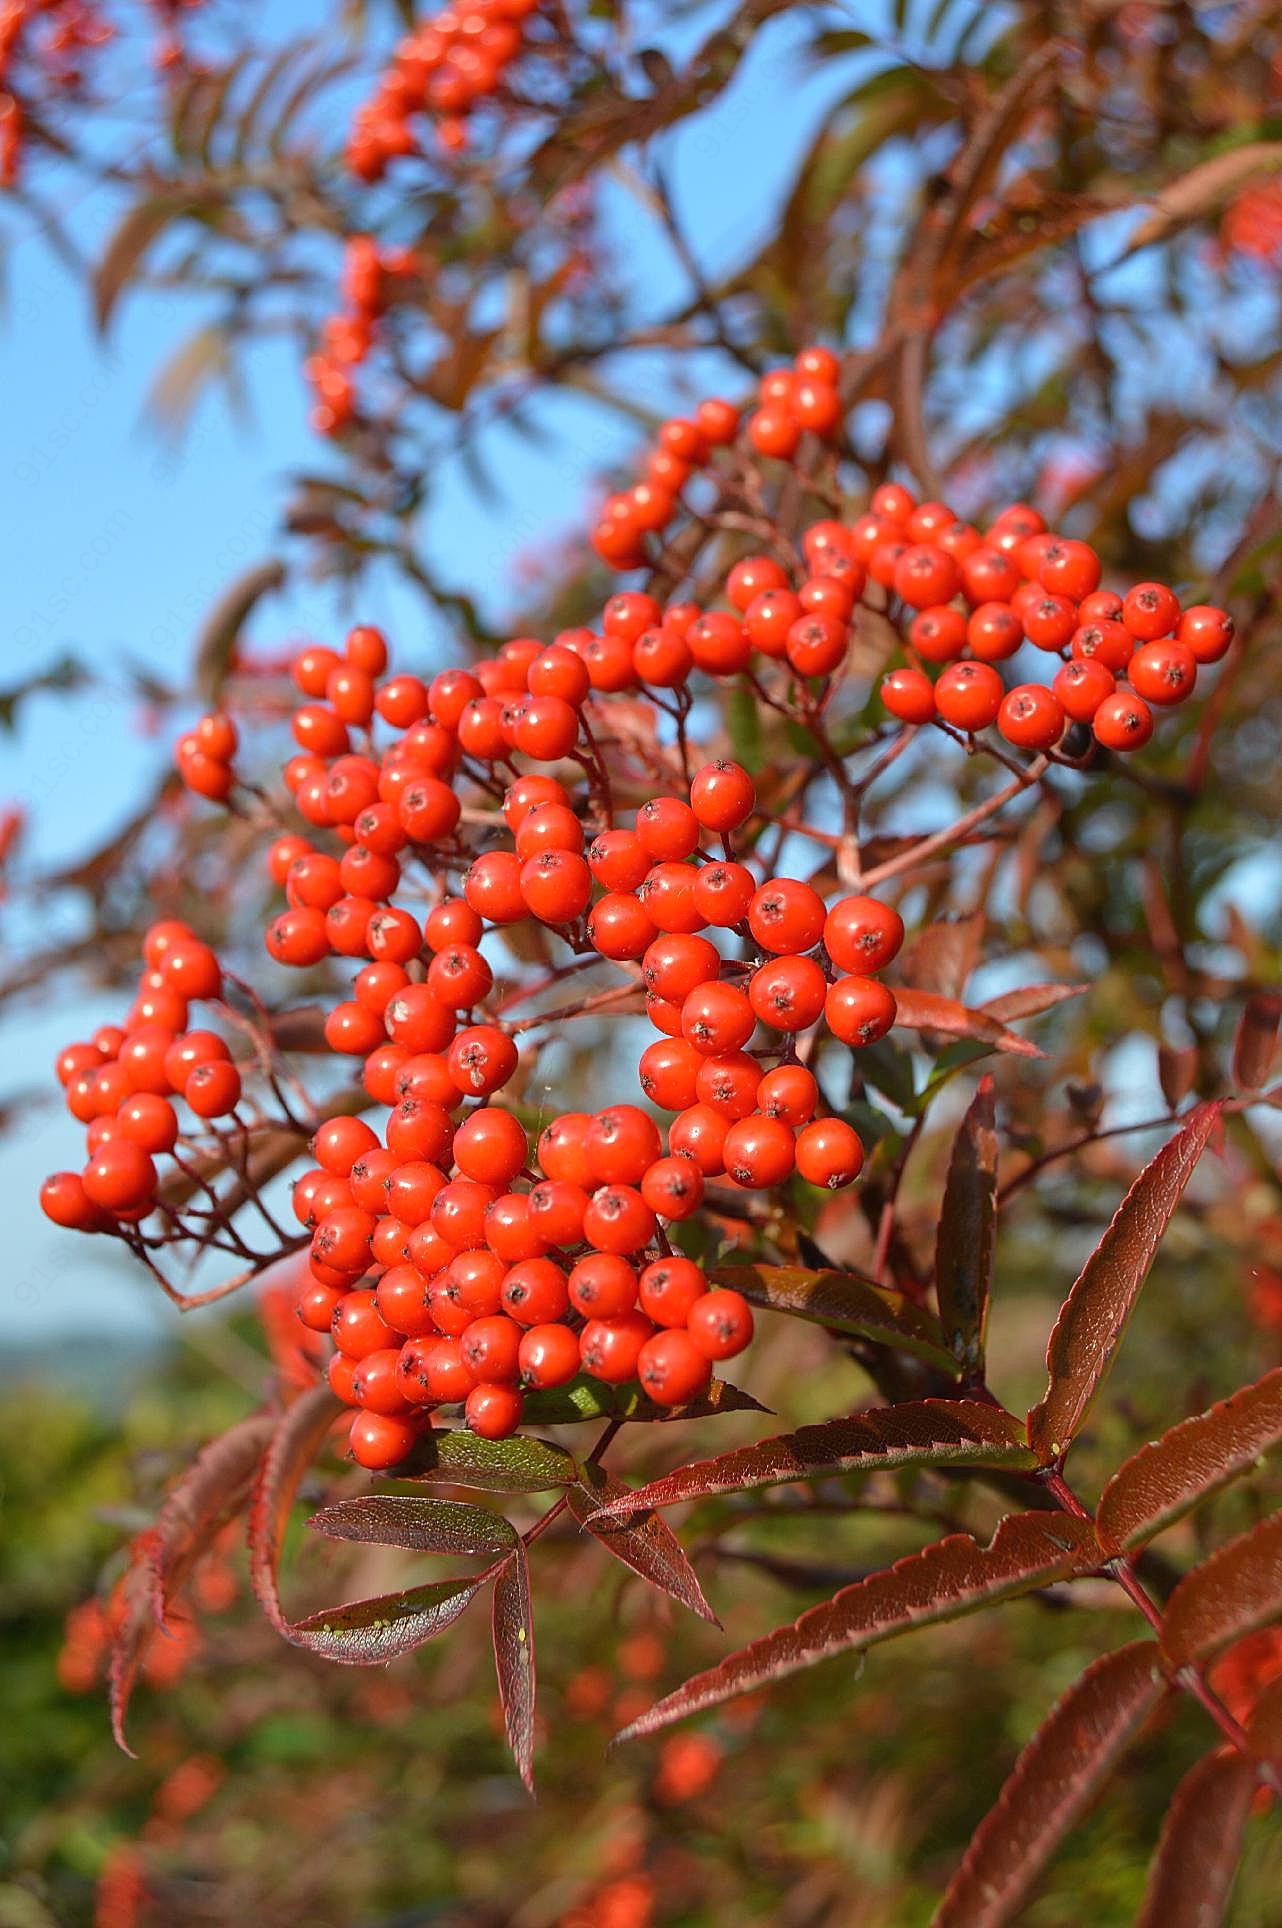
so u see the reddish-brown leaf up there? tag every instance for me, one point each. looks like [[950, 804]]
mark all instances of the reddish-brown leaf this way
[[1204, 189], [648, 1546], [1166, 1479], [955, 1576], [923, 1011], [927, 1432], [368, 1633], [964, 1241], [943, 955], [513, 1630], [1095, 1314], [1051, 1786], [1265, 1725], [211, 1492], [1255, 1045], [1030, 1001], [290, 1451], [846, 1303], [1234, 1591], [1192, 1871], [428, 1526], [1176, 1072]]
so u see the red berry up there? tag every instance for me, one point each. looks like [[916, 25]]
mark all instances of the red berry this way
[[671, 1368], [829, 1153]]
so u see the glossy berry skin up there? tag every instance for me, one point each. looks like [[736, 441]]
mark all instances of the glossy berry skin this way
[[1206, 631], [1081, 686], [493, 1411], [909, 695], [669, 1288], [969, 695], [379, 1440], [829, 1153], [722, 796], [789, 1092], [786, 916], [720, 1324], [609, 1348], [672, 1370], [1123, 721], [548, 1356], [1163, 672], [1031, 717], [862, 934], [859, 1010]]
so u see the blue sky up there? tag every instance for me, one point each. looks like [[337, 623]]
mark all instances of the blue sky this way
[[119, 545]]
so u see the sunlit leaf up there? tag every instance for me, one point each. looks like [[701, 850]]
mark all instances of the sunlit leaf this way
[[927, 1432], [1095, 1314], [648, 1546], [1195, 1460], [1051, 1786], [953, 1577], [1191, 1876], [1235, 1590], [845, 1303]]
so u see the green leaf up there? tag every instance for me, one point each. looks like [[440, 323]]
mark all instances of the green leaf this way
[[516, 1465], [405, 1519]]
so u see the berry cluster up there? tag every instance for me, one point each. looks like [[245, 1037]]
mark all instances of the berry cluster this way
[[371, 279], [69, 30], [125, 1082], [204, 756], [448, 66], [975, 600], [803, 399], [500, 1275]]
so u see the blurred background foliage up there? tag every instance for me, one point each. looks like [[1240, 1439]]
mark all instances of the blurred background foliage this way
[[1051, 237]]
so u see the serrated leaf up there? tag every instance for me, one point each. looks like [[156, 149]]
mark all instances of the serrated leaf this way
[[967, 1221], [1255, 1042], [1167, 1479], [291, 1449], [1234, 1591], [925, 1011], [210, 1493], [953, 1577], [368, 1633], [1051, 1786], [1204, 190], [1095, 1314], [404, 1519], [845, 1302], [926, 1432], [513, 1633], [516, 1465], [1191, 1875], [648, 1546]]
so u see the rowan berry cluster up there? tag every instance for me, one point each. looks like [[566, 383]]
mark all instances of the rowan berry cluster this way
[[506, 1270], [52, 37], [371, 280], [442, 72], [125, 1083], [791, 402], [977, 599]]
